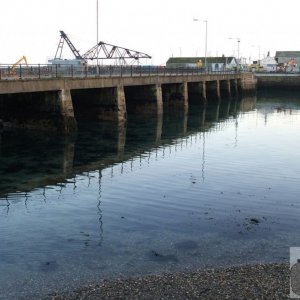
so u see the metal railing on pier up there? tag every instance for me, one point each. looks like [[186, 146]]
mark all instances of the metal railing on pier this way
[[10, 72]]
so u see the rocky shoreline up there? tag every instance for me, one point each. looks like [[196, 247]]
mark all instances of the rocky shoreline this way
[[263, 281]]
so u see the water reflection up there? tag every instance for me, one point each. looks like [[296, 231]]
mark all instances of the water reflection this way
[[100, 210], [31, 161], [158, 194]]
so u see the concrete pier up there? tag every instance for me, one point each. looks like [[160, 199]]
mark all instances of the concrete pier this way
[[58, 104]]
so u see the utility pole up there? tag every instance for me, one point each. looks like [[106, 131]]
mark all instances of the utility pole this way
[[238, 41], [205, 63], [97, 21]]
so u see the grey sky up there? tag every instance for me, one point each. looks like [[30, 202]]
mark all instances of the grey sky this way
[[158, 27]]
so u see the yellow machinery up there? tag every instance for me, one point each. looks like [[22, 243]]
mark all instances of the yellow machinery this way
[[12, 70], [199, 64], [256, 67]]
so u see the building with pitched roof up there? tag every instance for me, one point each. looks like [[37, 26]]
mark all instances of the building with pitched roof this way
[[268, 63], [221, 63]]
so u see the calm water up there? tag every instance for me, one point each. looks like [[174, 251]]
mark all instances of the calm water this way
[[196, 189]]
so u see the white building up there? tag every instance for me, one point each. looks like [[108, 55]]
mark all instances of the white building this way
[[268, 63]]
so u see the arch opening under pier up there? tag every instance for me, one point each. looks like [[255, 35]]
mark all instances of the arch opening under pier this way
[[95, 104], [142, 99], [48, 110], [197, 92]]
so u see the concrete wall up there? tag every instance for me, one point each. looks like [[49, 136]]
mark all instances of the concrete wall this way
[[247, 82], [277, 81]]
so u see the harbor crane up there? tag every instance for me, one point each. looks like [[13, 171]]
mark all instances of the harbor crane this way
[[107, 51], [101, 51], [63, 38]]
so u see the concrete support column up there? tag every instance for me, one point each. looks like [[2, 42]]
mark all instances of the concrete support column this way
[[121, 104], [218, 92], [66, 103], [68, 122], [159, 99], [185, 94]]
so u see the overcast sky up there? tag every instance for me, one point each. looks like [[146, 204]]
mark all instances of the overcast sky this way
[[160, 28]]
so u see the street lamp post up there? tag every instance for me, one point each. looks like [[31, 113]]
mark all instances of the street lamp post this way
[[97, 22], [205, 64], [238, 49], [205, 53]]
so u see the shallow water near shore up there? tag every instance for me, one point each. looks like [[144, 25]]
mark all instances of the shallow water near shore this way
[[206, 187]]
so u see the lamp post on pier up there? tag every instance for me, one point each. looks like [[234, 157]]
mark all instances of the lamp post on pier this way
[[97, 31], [238, 48]]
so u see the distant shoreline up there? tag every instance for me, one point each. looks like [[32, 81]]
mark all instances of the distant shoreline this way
[[260, 281]]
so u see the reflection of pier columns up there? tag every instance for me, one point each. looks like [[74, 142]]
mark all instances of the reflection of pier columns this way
[[159, 126], [228, 87], [121, 139], [217, 111], [228, 108], [218, 89], [236, 87], [204, 91], [247, 103], [185, 120], [203, 116], [68, 159], [235, 107]]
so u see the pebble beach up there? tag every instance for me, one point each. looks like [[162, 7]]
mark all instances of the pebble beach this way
[[262, 281]]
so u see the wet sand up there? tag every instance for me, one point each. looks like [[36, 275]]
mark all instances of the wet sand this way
[[269, 281]]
